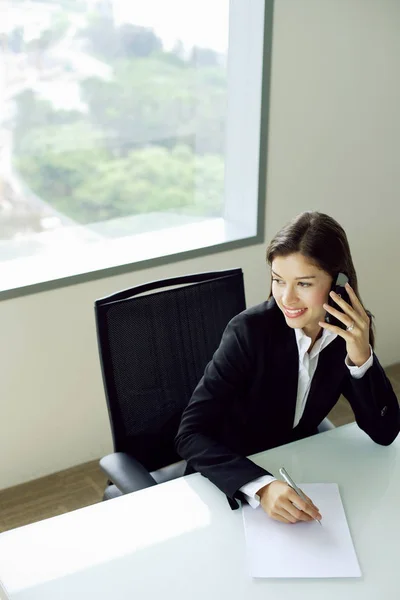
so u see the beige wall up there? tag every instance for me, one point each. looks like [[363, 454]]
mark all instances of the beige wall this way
[[333, 146]]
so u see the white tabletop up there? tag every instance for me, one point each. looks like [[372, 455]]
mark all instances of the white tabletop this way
[[180, 539]]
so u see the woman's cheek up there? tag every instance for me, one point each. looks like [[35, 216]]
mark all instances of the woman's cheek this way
[[319, 298]]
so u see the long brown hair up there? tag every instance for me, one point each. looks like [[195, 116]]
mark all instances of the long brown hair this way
[[323, 242]]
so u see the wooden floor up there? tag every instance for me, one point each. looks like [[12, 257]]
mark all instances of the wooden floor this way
[[84, 485]]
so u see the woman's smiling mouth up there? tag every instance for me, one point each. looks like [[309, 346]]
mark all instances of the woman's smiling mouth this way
[[294, 314]]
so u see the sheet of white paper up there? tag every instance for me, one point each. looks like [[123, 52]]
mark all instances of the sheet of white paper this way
[[303, 549]]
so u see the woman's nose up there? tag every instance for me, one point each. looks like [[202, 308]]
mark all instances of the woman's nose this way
[[289, 297]]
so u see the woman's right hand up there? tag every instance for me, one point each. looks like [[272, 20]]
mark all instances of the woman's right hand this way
[[281, 502]]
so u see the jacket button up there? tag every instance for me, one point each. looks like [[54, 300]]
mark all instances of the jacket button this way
[[383, 411]]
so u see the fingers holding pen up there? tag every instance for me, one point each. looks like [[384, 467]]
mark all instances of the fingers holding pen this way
[[282, 503], [307, 508], [298, 497]]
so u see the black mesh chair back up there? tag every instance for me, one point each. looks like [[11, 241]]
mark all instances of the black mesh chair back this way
[[153, 350]]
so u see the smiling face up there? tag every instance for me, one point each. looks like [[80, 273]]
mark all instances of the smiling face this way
[[300, 289]]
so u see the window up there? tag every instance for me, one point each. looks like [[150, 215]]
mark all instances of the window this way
[[128, 131]]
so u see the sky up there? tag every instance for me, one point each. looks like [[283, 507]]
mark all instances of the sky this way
[[203, 23], [195, 22]]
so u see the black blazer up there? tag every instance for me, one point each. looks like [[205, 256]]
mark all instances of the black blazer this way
[[245, 402]]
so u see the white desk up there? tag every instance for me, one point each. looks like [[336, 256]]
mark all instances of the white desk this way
[[180, 540]]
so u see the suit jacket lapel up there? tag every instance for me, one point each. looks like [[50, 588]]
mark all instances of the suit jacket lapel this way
[[285, 374]]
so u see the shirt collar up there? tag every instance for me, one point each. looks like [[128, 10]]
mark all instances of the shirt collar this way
[[304, 341]]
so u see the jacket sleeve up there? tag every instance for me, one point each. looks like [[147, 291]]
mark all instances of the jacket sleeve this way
[[199, 440], [374, 404]]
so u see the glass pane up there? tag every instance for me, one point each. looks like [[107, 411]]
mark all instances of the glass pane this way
[[112, 119]]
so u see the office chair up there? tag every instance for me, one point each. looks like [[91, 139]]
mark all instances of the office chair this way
[[154, 343]]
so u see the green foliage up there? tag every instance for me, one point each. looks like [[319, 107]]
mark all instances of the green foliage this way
[[52, 35], [126, 41], [137, 41], [100, 37], [153, 101], [204, 57], [152, 139], [33, 118], [15, 40], [89, 185]]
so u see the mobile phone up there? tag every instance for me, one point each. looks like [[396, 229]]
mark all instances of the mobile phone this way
[[338, 284]]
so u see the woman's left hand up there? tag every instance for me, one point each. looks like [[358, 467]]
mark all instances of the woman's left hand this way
[[357, 322]]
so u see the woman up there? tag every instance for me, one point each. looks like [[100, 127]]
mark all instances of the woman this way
[[281, 367]]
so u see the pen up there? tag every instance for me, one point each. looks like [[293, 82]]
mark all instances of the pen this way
[[294, 487]]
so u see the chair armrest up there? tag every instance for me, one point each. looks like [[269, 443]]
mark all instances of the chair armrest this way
[[325, 425], [126, 472]]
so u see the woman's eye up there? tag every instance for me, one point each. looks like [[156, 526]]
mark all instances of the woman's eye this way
[[302, 284]]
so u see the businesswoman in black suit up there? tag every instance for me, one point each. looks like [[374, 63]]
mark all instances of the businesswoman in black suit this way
[[281, 367]]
